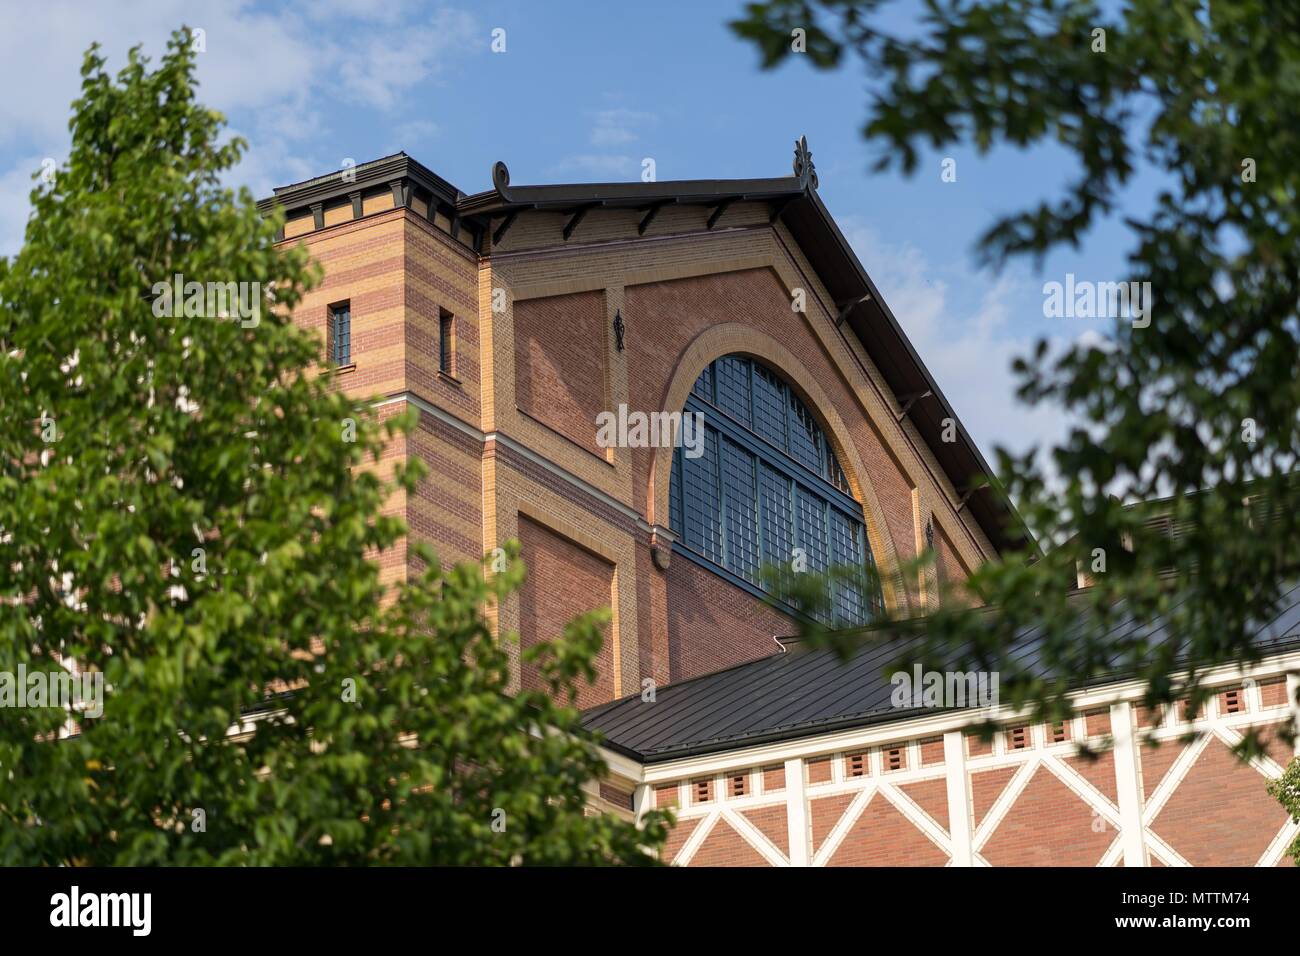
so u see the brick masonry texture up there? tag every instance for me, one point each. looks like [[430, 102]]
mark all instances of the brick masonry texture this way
[[509, 441], [881, 836], [560, 364], [713, 624], [1216, 817], [563, 581]]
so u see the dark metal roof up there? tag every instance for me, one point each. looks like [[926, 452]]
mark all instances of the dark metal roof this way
[[802, 692]]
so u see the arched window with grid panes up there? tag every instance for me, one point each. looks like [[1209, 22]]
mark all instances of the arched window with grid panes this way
[[767, 488]]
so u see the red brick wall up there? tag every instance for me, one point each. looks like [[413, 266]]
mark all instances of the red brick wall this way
[[1220, 814], [559, 363], [882, 836], [1048, 825], [563, 581], [712, 624]]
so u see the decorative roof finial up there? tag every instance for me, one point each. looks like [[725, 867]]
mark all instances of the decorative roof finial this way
[[804, 170], [500, 177]]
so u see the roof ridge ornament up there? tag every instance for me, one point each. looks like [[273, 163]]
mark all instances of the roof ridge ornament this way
[[501, 179], [804, 170]]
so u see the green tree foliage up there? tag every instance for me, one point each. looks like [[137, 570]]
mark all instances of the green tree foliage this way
[[1286, 789], [186, 511], [1199, 407]]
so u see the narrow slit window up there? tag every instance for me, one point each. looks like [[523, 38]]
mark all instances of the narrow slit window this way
[[340, 333], [446, 342]]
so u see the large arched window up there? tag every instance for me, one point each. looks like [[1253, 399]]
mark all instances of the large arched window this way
[[766, 484]]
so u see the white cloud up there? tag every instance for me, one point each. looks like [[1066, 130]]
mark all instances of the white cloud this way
[[376, 70], [266, 69], [617, 127], [600, 164], [413, 132], [613, 130]]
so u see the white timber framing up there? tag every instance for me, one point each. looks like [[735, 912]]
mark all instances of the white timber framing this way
[[1130, 815]]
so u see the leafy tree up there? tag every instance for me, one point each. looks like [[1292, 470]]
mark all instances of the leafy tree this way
[[184, 509], [1199, 407], [1286, 789]]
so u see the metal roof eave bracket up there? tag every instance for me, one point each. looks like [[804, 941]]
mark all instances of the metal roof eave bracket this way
[[848, 307], [502, 229], [650, 212], [578, 215], [911, 400], [718, 210]]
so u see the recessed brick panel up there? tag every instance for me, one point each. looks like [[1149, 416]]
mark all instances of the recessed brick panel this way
[[1220, 815], [677, 837], [1048, 825], [1272, 692], [882, 836], [985, 787], [560, 363], [1099, 772], [725, 847], [932, 797], [824, 813], [563, 581], [771, 822]]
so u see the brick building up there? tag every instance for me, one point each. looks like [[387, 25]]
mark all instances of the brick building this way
[[520, 321]]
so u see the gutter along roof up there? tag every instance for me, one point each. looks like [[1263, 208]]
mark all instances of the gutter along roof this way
[[793, 200], [806, 692]]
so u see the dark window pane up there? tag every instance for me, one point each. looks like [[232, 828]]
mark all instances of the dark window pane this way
[[733, 387], [701, 503], [846, 552], [810, 532], [769, 407], [834, 473], [741, 511], [340, 334], [704, 385], [777, 515], [810, 529], [805, 436], [446, 343], [675, 493]]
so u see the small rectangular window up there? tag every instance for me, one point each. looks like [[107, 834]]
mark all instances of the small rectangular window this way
[[856, 765], [703, 790], [738, 785], [1017, 738], [1059, 734], [1232, 701], [446, 342], [340, 333], [894, 758]]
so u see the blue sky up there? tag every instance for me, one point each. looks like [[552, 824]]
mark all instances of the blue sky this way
[[584, 92]]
